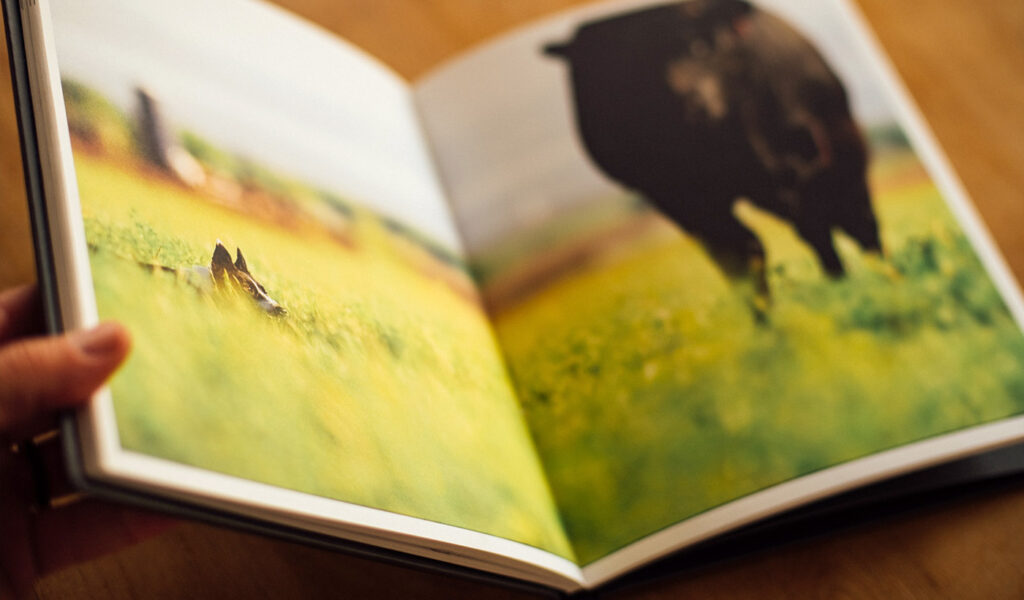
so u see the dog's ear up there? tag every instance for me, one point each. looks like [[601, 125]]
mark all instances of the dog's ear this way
[[240, 260], [221, 261]]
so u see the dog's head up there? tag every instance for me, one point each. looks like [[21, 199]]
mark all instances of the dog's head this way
[[235, 275]]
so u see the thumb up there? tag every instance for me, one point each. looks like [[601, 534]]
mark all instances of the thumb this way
[[40, 375]]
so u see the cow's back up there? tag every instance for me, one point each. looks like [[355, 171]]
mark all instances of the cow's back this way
[[634, 125]]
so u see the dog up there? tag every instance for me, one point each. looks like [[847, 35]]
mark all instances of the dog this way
[[226, 276]]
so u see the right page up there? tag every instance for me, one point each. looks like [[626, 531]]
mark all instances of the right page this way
[[729, 269]]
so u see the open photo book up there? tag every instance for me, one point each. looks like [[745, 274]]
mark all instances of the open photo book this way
[[622, 281]]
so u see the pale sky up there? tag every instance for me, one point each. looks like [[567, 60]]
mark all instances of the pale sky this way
[[256, 81], [252, 79], [501, 118]]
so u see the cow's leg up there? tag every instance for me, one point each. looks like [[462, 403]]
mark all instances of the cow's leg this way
[[858, 218], [734, 248], [737, 251], [818, 234]]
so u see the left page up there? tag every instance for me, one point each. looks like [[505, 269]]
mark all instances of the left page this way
[[259, 209]]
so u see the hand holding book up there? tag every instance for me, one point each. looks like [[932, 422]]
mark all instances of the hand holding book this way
[[38, 377]]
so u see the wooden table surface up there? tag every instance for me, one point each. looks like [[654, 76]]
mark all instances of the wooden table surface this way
[[963, 60]]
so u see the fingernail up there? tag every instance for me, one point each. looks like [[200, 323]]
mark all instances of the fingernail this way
[[100, 340]]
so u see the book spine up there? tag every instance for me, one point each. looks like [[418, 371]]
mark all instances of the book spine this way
[[58, 229], [30, 159], [66, 233]]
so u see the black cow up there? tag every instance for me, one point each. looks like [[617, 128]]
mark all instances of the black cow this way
[[700, 103]]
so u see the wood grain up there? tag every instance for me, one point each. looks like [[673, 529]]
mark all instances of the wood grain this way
[[963, 60], [17, 265]]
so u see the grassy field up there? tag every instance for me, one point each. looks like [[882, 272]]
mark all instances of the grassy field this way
[[379, 388], [653, 396]]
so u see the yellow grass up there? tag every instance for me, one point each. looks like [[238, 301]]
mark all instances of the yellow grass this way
[[653, 395], [382, 387]]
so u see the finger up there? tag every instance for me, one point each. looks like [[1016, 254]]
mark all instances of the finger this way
[[40, 375], [20, 312]]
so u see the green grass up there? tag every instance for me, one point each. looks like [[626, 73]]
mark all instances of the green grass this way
[[650, 393], [653, 396], [382, 387]]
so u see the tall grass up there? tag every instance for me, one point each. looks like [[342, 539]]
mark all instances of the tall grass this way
[[650, 392], [653, 395], [382, 387]]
